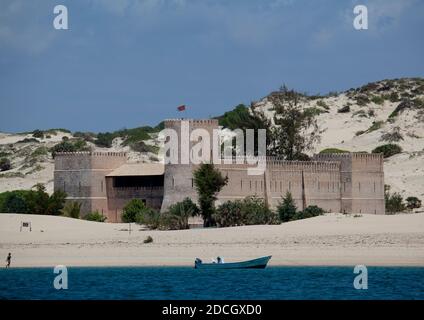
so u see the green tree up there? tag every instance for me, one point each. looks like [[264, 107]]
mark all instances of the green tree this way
[[287, 208], [413, 203], [132, 209], [394, 201], [39, 201], [296, 130], [309, 212], [229, 214], [208, 181]]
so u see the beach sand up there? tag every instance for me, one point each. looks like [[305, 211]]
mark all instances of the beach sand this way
[[333, 239]]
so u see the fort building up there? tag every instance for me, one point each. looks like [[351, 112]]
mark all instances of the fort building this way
[[106, 182]]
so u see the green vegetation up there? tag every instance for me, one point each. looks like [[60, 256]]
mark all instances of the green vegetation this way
[[322, 104], [208, 182], [388, 150], [375, 126], [70, 146], [362, 100], [149, 239], [393, 136], [28, 140], [413, 203], [141, 146], [86, 136], [245, 118], [178, 214], [38, 134], [345, 109], [287, 208], [407, 104], [35, 201], [377, 100], [5, 164], [333, 150], [132, 209], [394, 201], [289, 140], [129, 136], [358, 133], [313, 111], [72, 209], [95, 216], [249, 211], [360, 113]]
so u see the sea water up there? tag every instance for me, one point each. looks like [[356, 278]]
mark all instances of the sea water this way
[[189, 283]]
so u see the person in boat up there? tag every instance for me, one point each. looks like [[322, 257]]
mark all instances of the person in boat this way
[[219, 260], [8, 260]]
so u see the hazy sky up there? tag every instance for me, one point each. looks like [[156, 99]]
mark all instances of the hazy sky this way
[[132, 62]]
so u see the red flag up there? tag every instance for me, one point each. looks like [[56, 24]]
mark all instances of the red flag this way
[[181, 108]]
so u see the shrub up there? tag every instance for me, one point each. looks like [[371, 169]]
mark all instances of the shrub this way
[[178, 214], [69, 146], [14, 201], [95, 216], [35, 201], [322, 104], [360, 132], [375, 126], [38, 134], [150, 218], [393, 136], [333, 150], [309, 212], [286, 209], [72, 210], [362, 100], [413, 203], [28, 140], [149, 239], [377, 100], [5, 164], [131, 209], [86, 136], [394, 203], [344, 109], [249, 211], [388, 150]]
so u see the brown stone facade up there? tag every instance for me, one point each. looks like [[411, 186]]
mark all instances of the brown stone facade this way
[[347, 182]]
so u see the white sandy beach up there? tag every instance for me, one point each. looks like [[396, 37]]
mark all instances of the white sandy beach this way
[[333, 239]]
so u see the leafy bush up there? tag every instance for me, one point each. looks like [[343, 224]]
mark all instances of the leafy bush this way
[[150, 218], [38, 134], [130, 136], [333, 150], [388, 150], [69, 146], [132, 209], [394, 203], [86, 136], [249, 211], [309, 212], [362, 100], [35, 201], [377, 99], [393, 136], [149, 239], [5, 164], [178, 214], [344, 109], [360, 132], [39, 201], [95, 216], [72, 209], [14, 201], [413, 203], [287, 208], [375, 126], [28, 140], [322, 104]]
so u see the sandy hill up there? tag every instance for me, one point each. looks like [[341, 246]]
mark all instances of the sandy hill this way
[[360, 119]]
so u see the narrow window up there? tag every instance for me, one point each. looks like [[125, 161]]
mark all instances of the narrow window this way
[[101, 186], [241, 184], [64, 186], [374, 186]]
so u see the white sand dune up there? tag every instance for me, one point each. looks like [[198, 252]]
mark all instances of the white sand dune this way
[[333, 239]]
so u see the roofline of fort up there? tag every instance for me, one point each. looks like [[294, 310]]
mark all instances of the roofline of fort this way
[[92, 154]]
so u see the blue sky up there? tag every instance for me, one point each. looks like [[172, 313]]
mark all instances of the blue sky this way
[[132, 62]]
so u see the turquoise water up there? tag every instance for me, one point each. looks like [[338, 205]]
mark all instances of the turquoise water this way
[[188, 283]]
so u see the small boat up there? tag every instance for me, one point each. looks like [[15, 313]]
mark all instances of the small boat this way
[[259, 263]]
